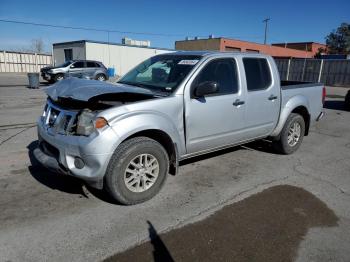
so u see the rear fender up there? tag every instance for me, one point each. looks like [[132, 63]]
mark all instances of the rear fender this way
[[293, 102]]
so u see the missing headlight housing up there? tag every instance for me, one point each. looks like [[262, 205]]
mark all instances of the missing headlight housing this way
[[85, 124]]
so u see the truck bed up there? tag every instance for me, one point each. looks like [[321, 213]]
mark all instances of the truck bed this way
[[312, 92], [285, 84]]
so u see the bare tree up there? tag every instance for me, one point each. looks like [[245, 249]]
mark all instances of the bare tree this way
[[37, 45]]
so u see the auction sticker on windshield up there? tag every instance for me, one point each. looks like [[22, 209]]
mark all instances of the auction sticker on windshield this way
[[188, 62]]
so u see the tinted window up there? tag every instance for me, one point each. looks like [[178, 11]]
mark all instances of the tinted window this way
[[223, 72], [65, 64], [91, 64], [257, 72], [78, 64]]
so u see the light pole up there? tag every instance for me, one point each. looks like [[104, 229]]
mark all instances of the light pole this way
[[266, 20]]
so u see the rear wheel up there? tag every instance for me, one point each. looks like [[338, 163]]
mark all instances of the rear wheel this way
[[136, 171], [101, 77], [291, 135], [347, 101]]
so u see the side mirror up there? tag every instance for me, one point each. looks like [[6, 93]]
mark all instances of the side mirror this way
[[72, 66], [205, 88]]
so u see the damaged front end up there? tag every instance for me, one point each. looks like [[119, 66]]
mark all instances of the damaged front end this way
[[73, 104], [74, 138], [71, 122]]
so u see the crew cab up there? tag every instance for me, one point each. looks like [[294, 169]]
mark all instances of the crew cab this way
[[127, 137]]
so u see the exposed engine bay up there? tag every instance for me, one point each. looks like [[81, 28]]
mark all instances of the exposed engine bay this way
[[73, 104]]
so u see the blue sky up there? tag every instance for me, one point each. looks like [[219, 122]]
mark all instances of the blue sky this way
[[291, 21]]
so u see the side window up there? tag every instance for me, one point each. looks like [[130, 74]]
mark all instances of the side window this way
[[257, 72], [91, 64], [222, 71], [78, 65]]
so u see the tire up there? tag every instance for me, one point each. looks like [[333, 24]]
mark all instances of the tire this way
[[101, 77], [117, 175], [58, 77], [347, 101], [284, 146]]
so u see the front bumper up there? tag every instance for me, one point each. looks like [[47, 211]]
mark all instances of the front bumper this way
[[59, 152], [47, 160], [46, 76]]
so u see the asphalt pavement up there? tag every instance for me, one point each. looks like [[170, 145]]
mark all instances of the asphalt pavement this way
[[47, 217]]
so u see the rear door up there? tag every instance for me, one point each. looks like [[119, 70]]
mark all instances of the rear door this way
[[77, 68], [91, 68], [215, 120], [263, 97]]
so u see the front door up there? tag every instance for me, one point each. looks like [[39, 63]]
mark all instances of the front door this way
[[76, 69], [215, 120]]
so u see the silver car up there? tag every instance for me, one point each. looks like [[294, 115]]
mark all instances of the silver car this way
[[127, 137], [75, 68]]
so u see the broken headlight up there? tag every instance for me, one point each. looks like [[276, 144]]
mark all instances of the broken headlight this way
[[88, 122]]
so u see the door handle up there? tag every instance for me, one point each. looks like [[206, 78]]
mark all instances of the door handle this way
[[238, 102], [272, 97]]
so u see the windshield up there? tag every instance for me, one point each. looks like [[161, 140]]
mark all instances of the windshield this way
[[162, 73], [65, 64]]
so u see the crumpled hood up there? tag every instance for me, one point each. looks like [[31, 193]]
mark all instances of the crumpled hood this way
[[83, 89], [46, 68]]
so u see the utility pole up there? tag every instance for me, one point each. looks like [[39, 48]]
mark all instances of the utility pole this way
[[266, 20]]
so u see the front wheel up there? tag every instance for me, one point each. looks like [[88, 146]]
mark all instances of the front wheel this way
[[136, 171], [58, 77], [291, 135]]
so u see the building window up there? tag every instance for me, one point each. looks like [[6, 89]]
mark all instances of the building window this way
[[68, 54], [232, 49], [252, 51]]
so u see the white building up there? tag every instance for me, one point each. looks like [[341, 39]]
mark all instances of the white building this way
[[118, 56]]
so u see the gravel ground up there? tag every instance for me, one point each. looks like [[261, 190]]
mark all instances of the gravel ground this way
[[49, 217]]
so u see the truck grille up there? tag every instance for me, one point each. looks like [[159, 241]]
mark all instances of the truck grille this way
[[58, 120]]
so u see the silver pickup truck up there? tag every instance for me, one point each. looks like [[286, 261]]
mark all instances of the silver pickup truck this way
[[127, 137]]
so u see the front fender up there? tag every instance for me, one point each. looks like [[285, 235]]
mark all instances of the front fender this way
[[286, 110], [134, 122]]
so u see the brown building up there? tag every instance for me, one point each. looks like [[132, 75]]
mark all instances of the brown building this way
[[309, 46], [226, 44]]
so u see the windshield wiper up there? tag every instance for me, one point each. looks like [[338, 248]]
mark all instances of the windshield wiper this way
[[155, 91], [162, 91], [132, 83]]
